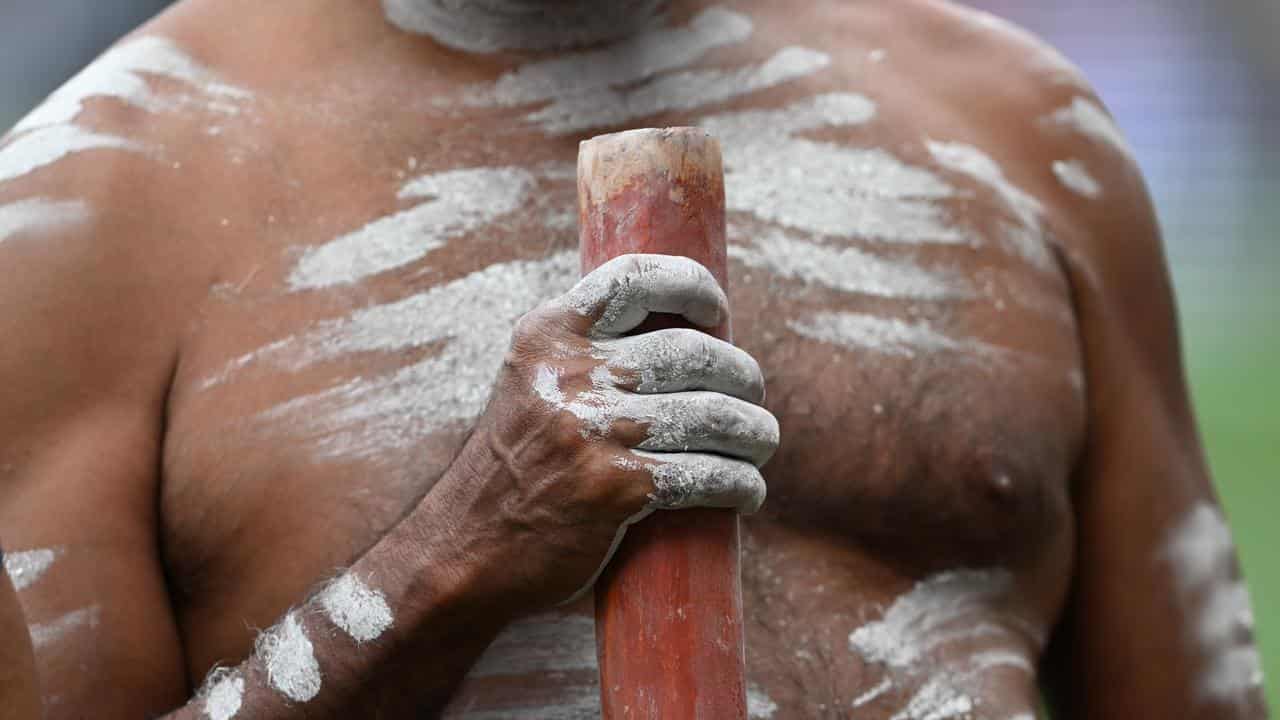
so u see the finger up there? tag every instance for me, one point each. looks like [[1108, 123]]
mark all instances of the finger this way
[[621, 293], [688, 480], [703, 422], [667, 361]]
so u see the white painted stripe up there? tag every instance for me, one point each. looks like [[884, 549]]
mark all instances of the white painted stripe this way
[[759, 705], [45, 146], [43, 635], [28, 566], [675, 92], [40, 215], [1201, 554], [624, 63], [1028, 239], [874, 693], [461, 201], [290, 661], [827, 188], [121, 74], [471, 317], [224, 694], [907, 631], [846, 269], [1075, 177], [889, 336], [361, 612], [1089, 119]]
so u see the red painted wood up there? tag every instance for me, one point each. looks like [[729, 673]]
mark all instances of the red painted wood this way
[[669, 609]]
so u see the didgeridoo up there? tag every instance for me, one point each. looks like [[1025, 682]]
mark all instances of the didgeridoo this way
[[669, 608]]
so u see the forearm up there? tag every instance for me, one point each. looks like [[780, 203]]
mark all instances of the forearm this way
[[396, 632], [19, 688]]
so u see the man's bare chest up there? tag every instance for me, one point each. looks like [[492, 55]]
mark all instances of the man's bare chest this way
[[916, 335]]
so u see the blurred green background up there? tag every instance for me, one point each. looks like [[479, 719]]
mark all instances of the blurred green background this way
[[1195, 84]]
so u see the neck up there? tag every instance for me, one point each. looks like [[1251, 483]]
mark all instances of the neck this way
[[484, 26]]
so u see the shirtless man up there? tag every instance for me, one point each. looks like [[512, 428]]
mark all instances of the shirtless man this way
[[262, 456]]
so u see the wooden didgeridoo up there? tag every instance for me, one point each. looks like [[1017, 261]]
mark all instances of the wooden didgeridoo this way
[[669, 628]]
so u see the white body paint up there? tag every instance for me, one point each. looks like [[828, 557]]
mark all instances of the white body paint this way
[[617, 65], [485, 26], [224, 693], [936, 700], [471, 318], [45, 634], [939, 612], [888, 336], [636, 78], [26, 567], [1075, 177], [759, 705], [50, 133], [121, 75], [1088, 118], [40, 215], [827, 188], [45, 146], [847, 269], [459, 202], [679, 91], [872, 694], [1202, 556], [289, 659], [361, 612], [1027, 237]]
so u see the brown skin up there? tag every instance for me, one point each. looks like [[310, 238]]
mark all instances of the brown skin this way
[[19, 683], [189, 522]]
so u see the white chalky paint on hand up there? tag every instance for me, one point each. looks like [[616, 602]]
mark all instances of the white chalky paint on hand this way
[[550, 642], [1089, 119], [290, 660], [759, 705], [461, 201], [872, 694], [40, 215], [1202, 555], [676, 92], [121, 73], [26, 567], [471, 318], [45, 146], [1075, 177], [674, 422], [224, 694], [847, 269], [485, 26], [1028, 238], [936, 700], [827, 188], [361, 612], [889, 336], [627, 62], [45, 634]]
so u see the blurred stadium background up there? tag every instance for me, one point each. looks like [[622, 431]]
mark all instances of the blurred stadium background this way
[[1195, 84]]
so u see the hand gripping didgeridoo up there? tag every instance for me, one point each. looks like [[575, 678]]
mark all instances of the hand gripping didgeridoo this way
[[669, 607]]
